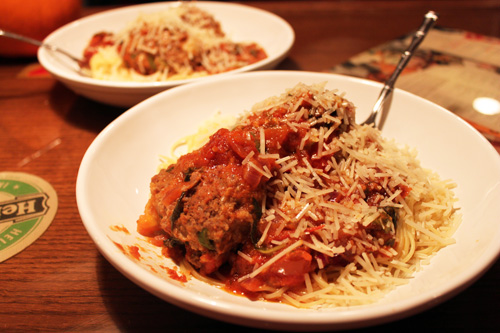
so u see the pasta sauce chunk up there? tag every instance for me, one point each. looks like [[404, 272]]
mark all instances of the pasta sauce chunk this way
[[299, 204]]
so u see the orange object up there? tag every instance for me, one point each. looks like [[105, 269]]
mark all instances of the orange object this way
[[35, 19]]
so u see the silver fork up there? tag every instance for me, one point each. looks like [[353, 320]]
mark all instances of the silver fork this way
[[429, 21], [39, 43]]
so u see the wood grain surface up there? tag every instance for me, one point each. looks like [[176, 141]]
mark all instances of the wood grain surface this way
[[62, 283]]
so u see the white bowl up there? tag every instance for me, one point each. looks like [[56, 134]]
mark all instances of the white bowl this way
[[113, 187], [240, 22]]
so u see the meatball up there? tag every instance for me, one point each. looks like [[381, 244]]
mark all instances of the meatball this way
[[207, 201], [212, 216]]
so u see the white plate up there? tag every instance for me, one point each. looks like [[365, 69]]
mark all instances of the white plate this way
[[239, 22], [113, 187]]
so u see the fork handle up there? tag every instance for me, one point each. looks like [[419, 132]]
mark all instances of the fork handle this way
[[429, 20], [21, 38]]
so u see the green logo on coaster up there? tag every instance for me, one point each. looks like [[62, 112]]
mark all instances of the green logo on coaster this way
[[28, 205]]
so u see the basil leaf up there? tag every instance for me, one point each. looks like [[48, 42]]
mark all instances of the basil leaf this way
[[257, 212], [204, 240], [188, 172], [393, 213], [387, 219], [151, 62], [269, 250], [172, 242], [176, 213]]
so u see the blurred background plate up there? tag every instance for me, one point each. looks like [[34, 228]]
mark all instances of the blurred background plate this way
[[239, 22]]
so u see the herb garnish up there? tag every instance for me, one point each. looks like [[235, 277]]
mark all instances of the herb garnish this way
[[204, 240]]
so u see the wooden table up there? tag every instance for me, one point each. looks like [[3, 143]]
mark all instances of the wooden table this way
[[62, 283]]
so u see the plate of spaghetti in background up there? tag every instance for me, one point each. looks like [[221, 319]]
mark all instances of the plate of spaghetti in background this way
[[275, 209], [131, 53]]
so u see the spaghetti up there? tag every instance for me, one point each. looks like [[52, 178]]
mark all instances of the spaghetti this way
[[299, 204]]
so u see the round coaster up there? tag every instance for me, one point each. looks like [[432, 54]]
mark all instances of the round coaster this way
[[28, 204]]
